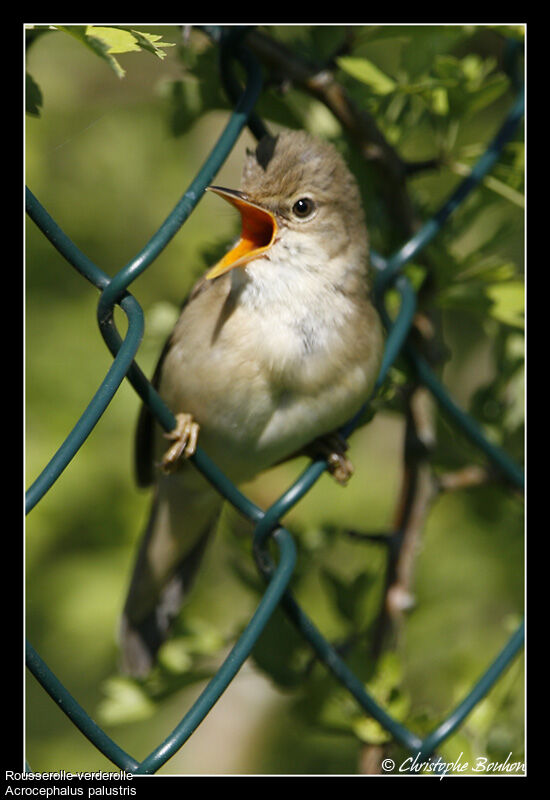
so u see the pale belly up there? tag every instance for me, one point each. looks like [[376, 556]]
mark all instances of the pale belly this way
[[262, 391], [249, 423]]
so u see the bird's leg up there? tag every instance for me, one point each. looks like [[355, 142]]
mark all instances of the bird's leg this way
[[184, 436], [332, 447]]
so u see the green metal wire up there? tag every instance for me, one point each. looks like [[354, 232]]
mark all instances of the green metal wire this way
[[240, 652], [76, 713], [267, 524], [478, 692]]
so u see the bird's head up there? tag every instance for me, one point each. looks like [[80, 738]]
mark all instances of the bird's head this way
[[297, 192]]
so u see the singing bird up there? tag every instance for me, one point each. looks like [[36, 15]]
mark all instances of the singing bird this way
[[276, 347]]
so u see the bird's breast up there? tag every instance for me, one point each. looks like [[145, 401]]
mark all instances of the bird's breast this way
[[264, 376]]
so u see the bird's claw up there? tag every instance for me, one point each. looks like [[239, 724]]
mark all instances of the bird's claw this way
[[184, 436], [340, 468], [332, 447]]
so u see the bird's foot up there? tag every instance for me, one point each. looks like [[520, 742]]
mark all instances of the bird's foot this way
[[333, 448], [184, 436]]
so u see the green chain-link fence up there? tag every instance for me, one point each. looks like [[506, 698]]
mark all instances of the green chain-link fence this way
[[267, 526]]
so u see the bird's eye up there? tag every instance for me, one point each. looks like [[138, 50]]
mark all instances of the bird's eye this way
[[304, 207]]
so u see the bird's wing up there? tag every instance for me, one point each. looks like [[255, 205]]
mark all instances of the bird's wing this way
[[145, 428]]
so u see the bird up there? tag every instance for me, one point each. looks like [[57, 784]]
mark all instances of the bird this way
[[276, 347]]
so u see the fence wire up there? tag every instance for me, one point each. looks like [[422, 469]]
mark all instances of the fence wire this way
[[267, 525]]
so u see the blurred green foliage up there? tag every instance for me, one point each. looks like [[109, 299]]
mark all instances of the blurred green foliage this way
[[109, 158]]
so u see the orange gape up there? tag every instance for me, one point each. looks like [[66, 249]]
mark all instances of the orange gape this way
[[258, 232]]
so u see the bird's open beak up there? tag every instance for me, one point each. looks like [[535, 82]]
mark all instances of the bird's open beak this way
[[259, 229]]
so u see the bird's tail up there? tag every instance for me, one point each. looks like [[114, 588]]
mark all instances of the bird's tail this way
[[184, 513]]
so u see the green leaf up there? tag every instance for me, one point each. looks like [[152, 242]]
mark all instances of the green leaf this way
[[440, 101], [508, 302], [365, 71], [384, 687], [196, 93], [490, 271], [95, 44], [151, 42], [389, 674], [472, 67], [281, 652], [469, 296], [104, 41], [117, 40], [370, 731], [175, 656], [199, 637], [125, 701], [448, 68], [416, 273], [33, 96], [329, 706], [487, 94], [349, 595]]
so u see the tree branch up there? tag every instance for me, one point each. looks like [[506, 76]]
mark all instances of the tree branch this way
[[464, 478], [418, 490]]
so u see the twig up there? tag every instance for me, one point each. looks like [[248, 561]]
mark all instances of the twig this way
[[464, 478], [417, 492]]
